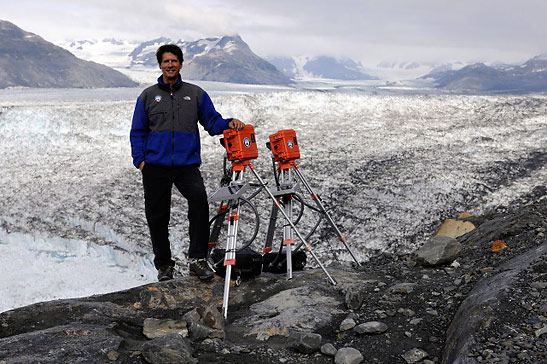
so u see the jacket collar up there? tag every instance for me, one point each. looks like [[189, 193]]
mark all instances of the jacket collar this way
[[163, 85]]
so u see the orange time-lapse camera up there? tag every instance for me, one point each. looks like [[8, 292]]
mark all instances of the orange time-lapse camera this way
[[241, 145], [284, 145]]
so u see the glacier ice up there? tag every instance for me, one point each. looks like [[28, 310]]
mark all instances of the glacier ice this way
[[390, 167]]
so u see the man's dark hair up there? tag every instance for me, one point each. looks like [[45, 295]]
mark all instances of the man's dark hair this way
[[169, 48]]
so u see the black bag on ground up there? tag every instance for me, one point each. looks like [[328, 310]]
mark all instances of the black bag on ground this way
[[276, 263], [248, 263]]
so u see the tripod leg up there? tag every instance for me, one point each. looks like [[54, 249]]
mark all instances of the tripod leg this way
[[308, 247], [288, 246], [288, 240], [325, 212], [271, 229], [226, 291], [217, 225], [230, 256]]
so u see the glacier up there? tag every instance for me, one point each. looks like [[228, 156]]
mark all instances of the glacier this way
[[390, 166]]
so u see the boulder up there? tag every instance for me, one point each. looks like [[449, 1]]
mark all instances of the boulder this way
[[415, 355], [306, 308], [348, 356], [168, 349], [328, 349], [438, 250], [372, 327], [354, 297], [305, 342], [454, 228]]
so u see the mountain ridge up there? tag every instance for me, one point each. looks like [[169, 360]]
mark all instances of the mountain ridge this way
[[222, 59], [207, 51], [230, 59], [531, 76], [27, 60]]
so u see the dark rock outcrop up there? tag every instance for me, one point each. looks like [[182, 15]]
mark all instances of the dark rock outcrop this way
[[28, 60], [478, 310], [487, 306]]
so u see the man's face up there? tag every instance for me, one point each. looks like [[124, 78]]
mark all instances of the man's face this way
[[170, 66]]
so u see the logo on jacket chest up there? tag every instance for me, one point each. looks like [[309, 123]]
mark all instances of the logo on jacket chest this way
[[157, 98]]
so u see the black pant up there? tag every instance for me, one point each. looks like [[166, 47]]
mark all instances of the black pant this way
[[158, 182]]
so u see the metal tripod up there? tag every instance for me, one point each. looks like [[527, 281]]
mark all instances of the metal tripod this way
[[285, 191], [286, 188], [232, 193]]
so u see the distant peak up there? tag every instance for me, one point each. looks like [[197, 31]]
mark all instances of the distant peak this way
[[10, 30], [541, 57], [4, 24], [230, 38], [477, 65], [235, 37], [159, 40]]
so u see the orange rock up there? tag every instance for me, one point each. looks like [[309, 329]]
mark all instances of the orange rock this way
[[498, 245]]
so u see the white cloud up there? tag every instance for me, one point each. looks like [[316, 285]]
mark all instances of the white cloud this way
[[367, 29]]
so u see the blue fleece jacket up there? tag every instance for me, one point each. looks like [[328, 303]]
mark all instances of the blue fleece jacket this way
[[164, 130]]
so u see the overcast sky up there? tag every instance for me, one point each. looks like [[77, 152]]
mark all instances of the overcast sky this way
[[367, 30]]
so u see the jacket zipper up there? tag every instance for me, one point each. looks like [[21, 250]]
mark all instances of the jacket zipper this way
[[172, 129]]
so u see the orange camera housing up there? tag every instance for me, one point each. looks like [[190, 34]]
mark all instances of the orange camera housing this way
[[241, 145], [284, 145]]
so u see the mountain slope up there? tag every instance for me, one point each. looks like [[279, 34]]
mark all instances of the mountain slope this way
[[224, 59], [28, 60]]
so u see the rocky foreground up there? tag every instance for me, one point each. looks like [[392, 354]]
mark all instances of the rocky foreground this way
[[478, 298]]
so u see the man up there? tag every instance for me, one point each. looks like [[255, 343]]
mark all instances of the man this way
[[165, 147]]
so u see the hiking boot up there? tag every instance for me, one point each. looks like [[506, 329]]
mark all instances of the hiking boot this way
[[201, 269], [165, 273]]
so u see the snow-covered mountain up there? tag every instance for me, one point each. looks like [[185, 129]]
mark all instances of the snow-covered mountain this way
[[321, 67], [410, 70], [225, 59], [110, 52]]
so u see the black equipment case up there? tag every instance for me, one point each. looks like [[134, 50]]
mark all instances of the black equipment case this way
[[248, 263]]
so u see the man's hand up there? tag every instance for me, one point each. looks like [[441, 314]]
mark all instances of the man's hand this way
[[141, 166], [236, 124]]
